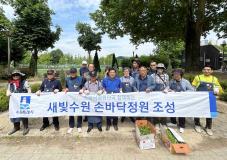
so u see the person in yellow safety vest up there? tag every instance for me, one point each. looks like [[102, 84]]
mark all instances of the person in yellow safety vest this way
[[206, 82]]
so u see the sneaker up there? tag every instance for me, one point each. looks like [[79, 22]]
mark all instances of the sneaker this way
[[43, 127], [100, 129], [56, 128], [13, 131], [198, 129], [171, 125], [209, 132], [115, 127], [181, 130], [107, 128], [70, 130], [89, 129], [25, 132], [79, 130]]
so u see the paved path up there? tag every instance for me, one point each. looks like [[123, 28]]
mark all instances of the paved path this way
[[110, 145]]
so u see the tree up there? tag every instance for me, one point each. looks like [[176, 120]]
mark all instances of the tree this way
[[155, 21], [88, 39], [114, 62], [172, 50], [5, 32], [96, 62], [56, 55], [32, 28]]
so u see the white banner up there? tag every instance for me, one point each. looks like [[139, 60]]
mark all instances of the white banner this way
[[135, 104]]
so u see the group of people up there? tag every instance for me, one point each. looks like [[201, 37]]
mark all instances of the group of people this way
[[135, 79]]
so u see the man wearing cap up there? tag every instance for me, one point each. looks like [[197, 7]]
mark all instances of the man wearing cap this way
[[74, 84], [127, 86], [83, 68], [179, 84], [160, 82], [50, 84], [209, 83], [93, 86], [18, 84], [112, 84]]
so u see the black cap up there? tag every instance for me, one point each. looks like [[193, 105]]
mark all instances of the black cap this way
[[93, 74], [73, 70], [50, 71]]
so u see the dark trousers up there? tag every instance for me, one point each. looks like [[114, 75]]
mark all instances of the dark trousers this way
[[181, 121], [47, 123], [91, 125], [208, 122], [72, 122], [109, 119], [161, 120], [131, 118], [24, 122]]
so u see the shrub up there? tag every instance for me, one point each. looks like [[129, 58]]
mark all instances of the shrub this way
[[224, 84], [223, 97], [4, 100], [35, 87]]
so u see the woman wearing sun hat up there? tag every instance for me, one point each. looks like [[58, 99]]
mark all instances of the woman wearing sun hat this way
[[18, 84]]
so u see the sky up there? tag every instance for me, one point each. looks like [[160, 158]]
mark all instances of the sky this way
[[69, 12]]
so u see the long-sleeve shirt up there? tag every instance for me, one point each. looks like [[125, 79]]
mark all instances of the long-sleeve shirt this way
[[208, 79], [112, 85], [181, 86]]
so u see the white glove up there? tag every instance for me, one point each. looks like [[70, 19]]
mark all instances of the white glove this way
[[81, 91], [56, 91], [148, 90], [38, 93], [8, 94], [86, 92], [165, 91], [99, 92]]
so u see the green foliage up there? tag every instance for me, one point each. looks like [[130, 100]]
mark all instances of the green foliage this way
[[56, 55], [223, 83], [62, 75], [114, 62], [96, 62], [45, 58], [223, 97], [171, 50], [32, 27], [126, 62], [144, 130], [88, 39], [4, 102], [35, 87], [171, 137], [157, 21], [189, 77]]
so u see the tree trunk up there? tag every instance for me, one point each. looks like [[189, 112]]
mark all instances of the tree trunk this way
[[192, 36], [192, 49], [33, 63], [89, 57]]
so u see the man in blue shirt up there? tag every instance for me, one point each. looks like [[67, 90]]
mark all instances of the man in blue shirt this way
[[74, 84], [112, 84], [142, 83], [50, 84]]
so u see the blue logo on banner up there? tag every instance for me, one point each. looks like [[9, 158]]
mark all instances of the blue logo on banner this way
[[25, 102]]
